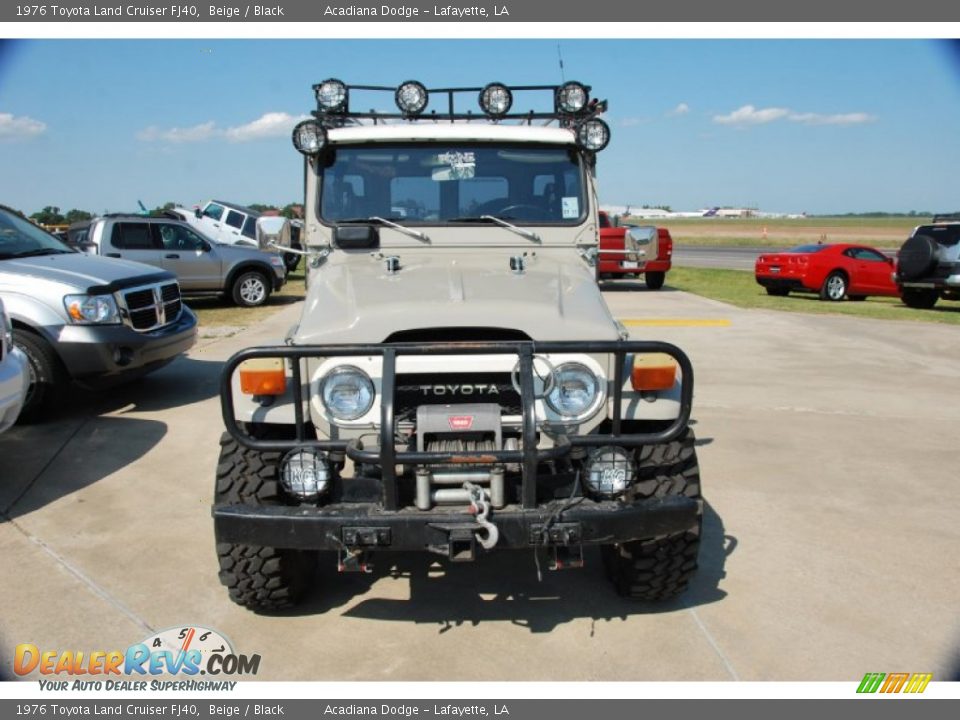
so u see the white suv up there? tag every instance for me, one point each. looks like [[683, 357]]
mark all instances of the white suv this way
[[223, 222], [14, 374]]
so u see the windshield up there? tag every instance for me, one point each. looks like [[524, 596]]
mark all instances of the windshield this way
[[453, 182], [21, 238]]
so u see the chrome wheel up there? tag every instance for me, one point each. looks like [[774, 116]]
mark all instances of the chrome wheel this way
[[835, 287]]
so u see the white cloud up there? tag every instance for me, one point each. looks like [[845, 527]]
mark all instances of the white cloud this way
[[750, 115], [197, 133], [17, 128], [681, 109], [271, 124], [858, 118]]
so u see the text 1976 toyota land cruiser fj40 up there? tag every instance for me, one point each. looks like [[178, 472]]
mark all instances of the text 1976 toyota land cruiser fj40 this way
[[456, 383]]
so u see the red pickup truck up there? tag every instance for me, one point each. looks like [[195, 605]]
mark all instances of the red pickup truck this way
[[634, 249]]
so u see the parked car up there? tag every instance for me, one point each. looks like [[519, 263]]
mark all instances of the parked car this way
[[929, 263], [247, 275], [233, 224], [88, 319], [834, 271], [627, 250], [14, 374]]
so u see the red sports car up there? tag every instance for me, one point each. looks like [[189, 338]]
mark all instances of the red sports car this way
[[834, 271]]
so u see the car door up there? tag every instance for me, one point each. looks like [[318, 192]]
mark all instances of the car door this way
[[872, 271], [133, 241], [211, 222], [194, 261], [232, 225]]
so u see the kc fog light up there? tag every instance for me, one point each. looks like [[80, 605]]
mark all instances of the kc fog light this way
[[609, 470], [305, 474]]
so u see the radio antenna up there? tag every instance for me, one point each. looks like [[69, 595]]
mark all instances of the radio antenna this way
[[560, 58]]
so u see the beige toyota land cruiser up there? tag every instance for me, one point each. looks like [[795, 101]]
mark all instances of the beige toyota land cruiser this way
[[456, 383]]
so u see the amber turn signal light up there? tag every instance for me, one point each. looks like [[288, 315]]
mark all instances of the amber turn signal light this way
[[263, 376], [653, 371]]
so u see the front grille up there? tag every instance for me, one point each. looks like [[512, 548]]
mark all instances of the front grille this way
[[415, 389], [149, 307]]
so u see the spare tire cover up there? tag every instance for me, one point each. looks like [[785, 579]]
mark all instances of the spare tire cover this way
[[917, 257]]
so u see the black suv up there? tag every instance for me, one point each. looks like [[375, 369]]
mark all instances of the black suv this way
[[928, 265]]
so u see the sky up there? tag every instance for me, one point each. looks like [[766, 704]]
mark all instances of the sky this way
[[827, 126]]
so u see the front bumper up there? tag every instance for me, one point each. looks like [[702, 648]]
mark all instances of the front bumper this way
[[90, 351], [334, 527]]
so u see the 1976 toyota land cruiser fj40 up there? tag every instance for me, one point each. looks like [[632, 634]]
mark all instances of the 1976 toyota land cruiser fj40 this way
[[456, 383]]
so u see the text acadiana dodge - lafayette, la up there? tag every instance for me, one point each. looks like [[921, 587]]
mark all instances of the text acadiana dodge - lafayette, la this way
[[450, 11], [414, 710]]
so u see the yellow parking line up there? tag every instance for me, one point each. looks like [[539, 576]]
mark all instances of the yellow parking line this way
[[676, 322]]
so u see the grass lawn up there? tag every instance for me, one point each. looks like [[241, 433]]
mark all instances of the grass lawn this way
[[780, 232], [214, 312], [739, 288]]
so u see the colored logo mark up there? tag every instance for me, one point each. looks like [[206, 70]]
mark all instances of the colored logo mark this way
[[894, 682]]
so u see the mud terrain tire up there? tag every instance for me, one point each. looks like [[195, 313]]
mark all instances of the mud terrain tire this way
[[264, 579], [660, 568]]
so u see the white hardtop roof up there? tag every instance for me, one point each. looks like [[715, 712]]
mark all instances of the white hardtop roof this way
[[478, 131]]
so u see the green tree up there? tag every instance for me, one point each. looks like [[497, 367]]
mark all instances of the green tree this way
[[77, 216], [50, 215], [160, 209], [292, 211]]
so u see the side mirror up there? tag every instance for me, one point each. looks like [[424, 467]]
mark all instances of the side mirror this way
[[273, 233], [206, 246], [197, 214]]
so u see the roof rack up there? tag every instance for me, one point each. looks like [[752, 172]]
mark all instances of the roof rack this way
[[571, 103], [947, 217]]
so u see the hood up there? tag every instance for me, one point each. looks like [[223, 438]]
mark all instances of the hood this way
[[355, 299], [240, 252], [83, 272]]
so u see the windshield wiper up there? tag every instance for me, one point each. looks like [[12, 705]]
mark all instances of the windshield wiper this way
[[389, 223], [528, 234], [38, 252]]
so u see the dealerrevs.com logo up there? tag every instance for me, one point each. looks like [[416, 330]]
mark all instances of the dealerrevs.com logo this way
[[189, 652], [894, 682]]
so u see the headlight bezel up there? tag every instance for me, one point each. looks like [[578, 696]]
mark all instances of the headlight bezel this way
[[591, 408], [339, 372], [320, 137], [78, 307]]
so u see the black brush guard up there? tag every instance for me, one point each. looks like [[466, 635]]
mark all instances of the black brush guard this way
[[386, 457]]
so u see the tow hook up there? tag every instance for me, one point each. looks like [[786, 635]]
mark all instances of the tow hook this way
[[351, 559], [487, 534]]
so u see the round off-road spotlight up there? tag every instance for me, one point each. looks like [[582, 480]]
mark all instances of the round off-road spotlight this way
[[331, 96], [609, 470], [496, 99], [305, 474], [572, 98], [412, 97], [309, 137], [593, 135]]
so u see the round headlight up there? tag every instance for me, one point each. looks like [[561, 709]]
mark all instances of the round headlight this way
[[593, 135], [331, 95], [572, 97], [496, 99], [347, 392], [576, 392], [609, 470], [309, 137], [305, 473], [412, 98]]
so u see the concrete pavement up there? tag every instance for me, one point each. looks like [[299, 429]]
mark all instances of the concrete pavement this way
[[827, 449]]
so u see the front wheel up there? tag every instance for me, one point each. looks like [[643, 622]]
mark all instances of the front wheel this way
[[660, 568], [251, 289], [47, 376], [834, 288], [920, 299], [263, 579], [654, 280]]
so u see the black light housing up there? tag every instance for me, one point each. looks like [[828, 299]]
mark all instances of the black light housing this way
[[412, 97], [496, 100], [332, 95], [572, 98], [593, 135], [309, 137]]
